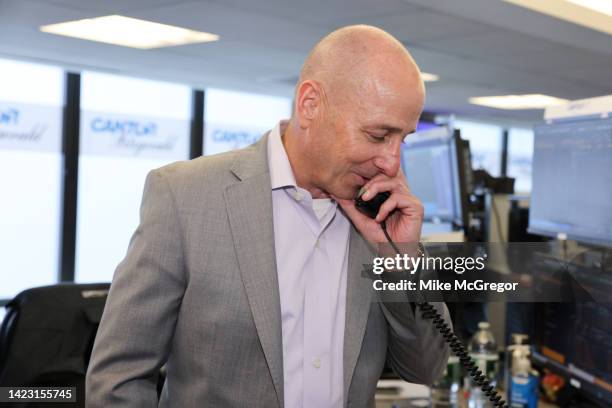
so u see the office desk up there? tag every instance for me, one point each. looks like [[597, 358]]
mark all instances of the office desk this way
[[402, 394]]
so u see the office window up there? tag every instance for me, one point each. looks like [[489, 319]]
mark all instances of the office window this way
[[520, 154], [129, 126], [31, 101], [485, 144], [235, 119]]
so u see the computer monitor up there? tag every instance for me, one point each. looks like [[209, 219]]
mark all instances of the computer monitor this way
[[433, 162], [574, 340], [572, 181]]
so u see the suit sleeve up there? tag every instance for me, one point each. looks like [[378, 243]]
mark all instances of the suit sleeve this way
[[140, 315], [416, 351]]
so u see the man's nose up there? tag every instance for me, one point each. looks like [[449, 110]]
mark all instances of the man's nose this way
[[389, 160]]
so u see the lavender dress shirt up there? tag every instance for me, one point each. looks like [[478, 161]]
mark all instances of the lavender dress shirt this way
[[311, 239]]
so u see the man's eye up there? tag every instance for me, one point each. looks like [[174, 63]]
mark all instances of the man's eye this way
[[377, 138]]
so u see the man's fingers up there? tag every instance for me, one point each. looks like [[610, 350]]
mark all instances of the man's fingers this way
[[388, 206], [407, 204], [375, 187], [400, 178]]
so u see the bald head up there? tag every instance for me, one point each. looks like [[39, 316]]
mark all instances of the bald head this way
[[360, 92], [348, 59]]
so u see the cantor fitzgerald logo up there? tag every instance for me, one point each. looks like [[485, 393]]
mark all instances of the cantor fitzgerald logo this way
[[235, 136], [123, 127], [12, 130], [133, 136]]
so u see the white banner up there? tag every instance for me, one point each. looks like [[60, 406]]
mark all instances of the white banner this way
[[30, 127], [119, 135]]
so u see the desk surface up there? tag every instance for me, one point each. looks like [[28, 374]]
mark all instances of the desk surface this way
[[419, 394]]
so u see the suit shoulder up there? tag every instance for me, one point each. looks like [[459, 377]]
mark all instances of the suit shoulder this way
[[199, 168], [207, 172]]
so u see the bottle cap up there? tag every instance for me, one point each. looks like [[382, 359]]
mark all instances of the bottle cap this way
[[519, 338], [484, 325]]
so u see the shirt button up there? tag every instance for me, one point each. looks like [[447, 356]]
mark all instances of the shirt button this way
[[298, 196], [316, 363], [317, 243]]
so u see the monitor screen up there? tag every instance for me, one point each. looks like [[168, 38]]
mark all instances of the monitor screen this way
[[572, 181], [431, 164], [575, 340]]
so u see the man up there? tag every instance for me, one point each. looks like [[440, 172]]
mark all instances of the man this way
[[245, 273]]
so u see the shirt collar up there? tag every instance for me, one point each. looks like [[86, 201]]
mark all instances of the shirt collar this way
[[281, 174]]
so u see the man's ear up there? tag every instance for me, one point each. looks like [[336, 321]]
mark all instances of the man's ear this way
[[308, 102]]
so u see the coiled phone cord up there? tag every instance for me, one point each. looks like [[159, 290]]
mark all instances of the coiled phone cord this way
[[430, 313]]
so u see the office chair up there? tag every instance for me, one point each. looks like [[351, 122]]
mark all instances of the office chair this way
[[47, 335]]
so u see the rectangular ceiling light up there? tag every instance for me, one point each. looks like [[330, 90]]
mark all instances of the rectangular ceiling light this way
[[600, 6], [594, 14], [530, 101], [128, 32], [427, 77]]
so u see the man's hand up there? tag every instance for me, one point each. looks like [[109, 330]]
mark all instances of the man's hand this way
[[402, 211]]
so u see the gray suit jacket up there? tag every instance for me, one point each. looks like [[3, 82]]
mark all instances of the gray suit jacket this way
[[198, 290]]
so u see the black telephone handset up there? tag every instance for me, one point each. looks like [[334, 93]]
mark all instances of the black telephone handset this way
[[371, 208]]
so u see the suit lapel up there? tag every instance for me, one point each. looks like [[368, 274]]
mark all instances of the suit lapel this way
[[249, 208], [358, 300], [250, 212]]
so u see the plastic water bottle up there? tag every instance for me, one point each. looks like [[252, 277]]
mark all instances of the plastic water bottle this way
[[445, 391], [483, 350]]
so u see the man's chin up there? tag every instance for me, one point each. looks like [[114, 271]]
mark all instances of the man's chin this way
[[346, 190], [347, 193]]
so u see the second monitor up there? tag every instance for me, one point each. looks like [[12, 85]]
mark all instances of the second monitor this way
[[436, 164]]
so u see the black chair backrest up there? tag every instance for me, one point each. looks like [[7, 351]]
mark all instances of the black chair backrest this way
[[48, 332]]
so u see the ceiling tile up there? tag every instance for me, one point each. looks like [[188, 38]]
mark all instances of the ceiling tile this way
[[321, 12]]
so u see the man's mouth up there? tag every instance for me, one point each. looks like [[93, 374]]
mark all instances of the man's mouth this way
[[362, 180], [365, 179]]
